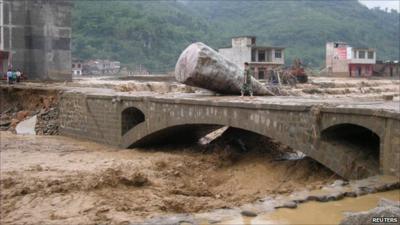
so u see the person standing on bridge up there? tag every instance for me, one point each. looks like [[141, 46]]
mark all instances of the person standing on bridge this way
[[9, 76], [247, 86]]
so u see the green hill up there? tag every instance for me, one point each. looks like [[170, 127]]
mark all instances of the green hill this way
[[154, 33]]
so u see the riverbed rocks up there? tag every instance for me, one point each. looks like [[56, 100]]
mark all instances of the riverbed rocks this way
[[386, 212], [248, 213], [383, 202], [339, 183], [203, 67], [335, 196], [289, 205]]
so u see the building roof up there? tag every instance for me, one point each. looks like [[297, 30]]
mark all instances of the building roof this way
[[338, 42], [363, 48], [257, 46], [244, 36], [267, 47], [253, 45]]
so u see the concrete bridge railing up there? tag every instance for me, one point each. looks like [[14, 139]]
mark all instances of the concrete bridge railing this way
[[351, 142]]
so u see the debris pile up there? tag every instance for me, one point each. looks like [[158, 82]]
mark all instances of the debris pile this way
[[47, 122]]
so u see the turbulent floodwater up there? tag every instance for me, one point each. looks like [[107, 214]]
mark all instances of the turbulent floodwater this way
[[59, 180]]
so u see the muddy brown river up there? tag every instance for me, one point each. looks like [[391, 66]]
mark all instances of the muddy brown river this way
[[60, 180]]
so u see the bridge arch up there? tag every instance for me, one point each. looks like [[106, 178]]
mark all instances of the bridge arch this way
[[357, 148], [144, 134], [373, 126], [131, 117], [186, 132]]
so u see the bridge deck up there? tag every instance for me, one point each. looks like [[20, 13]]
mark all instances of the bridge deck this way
[[358, 105], [378, 107]]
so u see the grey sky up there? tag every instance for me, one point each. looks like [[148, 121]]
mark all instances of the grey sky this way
[[390, 4]]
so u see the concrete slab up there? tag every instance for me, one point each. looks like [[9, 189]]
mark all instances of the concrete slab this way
[[27, 126]]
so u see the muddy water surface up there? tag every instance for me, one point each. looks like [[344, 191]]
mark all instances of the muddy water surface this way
[[317, 212], [59, 180]]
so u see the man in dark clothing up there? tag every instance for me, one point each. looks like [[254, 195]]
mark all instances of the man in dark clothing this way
[[18, 76], [247, 86]]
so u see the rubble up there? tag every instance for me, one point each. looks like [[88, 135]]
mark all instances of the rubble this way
[[47, 123], [201, 66], [387, 212]]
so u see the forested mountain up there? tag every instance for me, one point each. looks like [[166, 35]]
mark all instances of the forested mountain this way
[[154, 33]]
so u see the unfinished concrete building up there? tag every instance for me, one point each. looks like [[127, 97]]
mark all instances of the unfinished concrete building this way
[[344, 60], [35, 38], [390, 69], [262, 58]]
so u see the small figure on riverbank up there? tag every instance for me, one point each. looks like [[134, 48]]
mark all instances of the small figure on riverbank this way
[[14, 76], [9, 76], [247, 85], [18, 73]]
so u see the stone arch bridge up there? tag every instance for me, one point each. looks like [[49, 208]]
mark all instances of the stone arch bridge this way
[[353, 142]]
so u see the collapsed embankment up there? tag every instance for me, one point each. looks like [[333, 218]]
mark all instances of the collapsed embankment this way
[[19, 104]]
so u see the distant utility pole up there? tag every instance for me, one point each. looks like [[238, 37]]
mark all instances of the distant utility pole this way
[[1, 26]]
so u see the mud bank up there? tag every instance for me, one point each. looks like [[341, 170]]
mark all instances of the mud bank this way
[[58, 180]]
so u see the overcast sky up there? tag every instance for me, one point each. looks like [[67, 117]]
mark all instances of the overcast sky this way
[[390, 4]]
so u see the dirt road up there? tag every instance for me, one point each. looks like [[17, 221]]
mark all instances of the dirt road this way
[[59, 180]]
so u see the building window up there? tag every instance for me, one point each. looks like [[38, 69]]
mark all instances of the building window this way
[[261, 56], [278, 54], [370, 55], [253, 55], [73, 65], [261, 74], [361, 54]]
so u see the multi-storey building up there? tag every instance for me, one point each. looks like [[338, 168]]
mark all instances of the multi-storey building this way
[[261, 58], [344, 60]]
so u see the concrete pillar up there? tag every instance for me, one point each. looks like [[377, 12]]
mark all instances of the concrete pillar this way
[[1, 26], [389, 150], [38, 35]]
